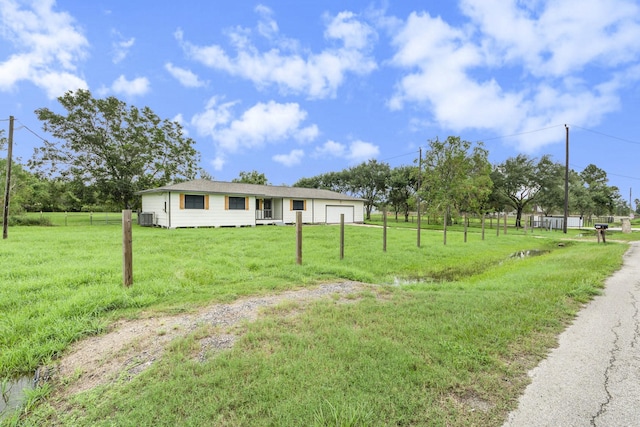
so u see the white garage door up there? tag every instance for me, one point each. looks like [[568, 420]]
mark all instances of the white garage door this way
[[333, 214]]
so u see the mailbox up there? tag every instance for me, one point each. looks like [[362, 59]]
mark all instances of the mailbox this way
[[600, 231]]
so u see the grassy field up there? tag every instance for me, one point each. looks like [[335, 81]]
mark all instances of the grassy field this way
[[457, 330]]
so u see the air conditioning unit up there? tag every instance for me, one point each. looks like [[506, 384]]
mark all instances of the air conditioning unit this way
[[145, 219]]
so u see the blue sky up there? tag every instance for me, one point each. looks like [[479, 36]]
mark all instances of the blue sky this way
[[298, 88]]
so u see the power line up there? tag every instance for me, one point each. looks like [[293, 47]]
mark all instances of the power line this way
[[399, 155], [518, 134], [576, 167], [33, 132], [607, 135]]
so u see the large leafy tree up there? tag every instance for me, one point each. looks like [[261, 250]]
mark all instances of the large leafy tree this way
[[550, 176], [518, 181], [579, 198], [403, 184], [369, 180], [602, 195], [253, 177], [334, 181], [117, 148], [24, 189], [456, 176]]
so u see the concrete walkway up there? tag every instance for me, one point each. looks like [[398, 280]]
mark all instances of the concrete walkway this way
[[593, 377]]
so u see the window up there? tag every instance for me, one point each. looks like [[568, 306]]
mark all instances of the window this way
[[237, 203], [192, 201], [297, 205]]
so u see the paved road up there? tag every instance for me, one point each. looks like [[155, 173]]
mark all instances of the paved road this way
[[593, 377]]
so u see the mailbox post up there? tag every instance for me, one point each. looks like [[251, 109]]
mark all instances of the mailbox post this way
[[601, 231]]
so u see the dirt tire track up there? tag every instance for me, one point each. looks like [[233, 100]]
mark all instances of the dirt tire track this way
[[131, 346]]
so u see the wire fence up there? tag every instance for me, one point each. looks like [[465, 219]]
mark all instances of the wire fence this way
[[81, 218]]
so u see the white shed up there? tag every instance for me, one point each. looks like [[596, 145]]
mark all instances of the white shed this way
[[204, 203]]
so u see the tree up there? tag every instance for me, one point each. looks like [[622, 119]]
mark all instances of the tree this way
[[117, 148], [23, 188], [253, 177], [334, 181], [550, 175], [457, 176], [203, 174], [602, 195], [579, 198], [402, 188], [369, 181], [517, 182]]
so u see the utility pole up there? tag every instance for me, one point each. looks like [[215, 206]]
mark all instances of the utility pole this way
[[418, 192], [566, 184], [5, 214]]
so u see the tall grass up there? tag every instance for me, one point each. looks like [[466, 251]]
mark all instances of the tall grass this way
[[449, 346]]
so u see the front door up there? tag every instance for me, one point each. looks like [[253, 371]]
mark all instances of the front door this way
[[268, 212]]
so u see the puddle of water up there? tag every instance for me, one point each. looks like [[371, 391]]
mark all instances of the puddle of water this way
[[528, 253], [13, 394]]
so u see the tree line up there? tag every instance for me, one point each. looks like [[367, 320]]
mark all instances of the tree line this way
[[105, 151], [455, 177]]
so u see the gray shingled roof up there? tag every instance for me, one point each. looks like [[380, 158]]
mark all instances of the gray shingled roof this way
[[220, 187]]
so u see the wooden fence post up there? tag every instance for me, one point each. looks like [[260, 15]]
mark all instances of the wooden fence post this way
[[505, 223], [299, 238], [341, 236], [384, 230], [444, 227], [533, 222], [482, 225], [464, 218], [127, 253]]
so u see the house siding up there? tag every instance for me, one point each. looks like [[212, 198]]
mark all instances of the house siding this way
[[215, 216], [155, 203], [316, 210], [168, 205]]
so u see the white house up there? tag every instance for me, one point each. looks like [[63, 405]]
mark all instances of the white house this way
[[204, 203]]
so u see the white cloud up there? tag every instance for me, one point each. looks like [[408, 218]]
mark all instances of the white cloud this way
[[267, 26], [137, 86], [121, 46], [330, 148], [293, 158], [456, 73], [48, 46], [361, 151], [354, 34], [560, 38], [261, 124], [209, 121], [186, 77], [218, 162], [316, 75], [57, 83], [357, 151]]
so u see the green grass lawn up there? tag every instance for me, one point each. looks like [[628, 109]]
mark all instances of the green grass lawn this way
[[459, 323]]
